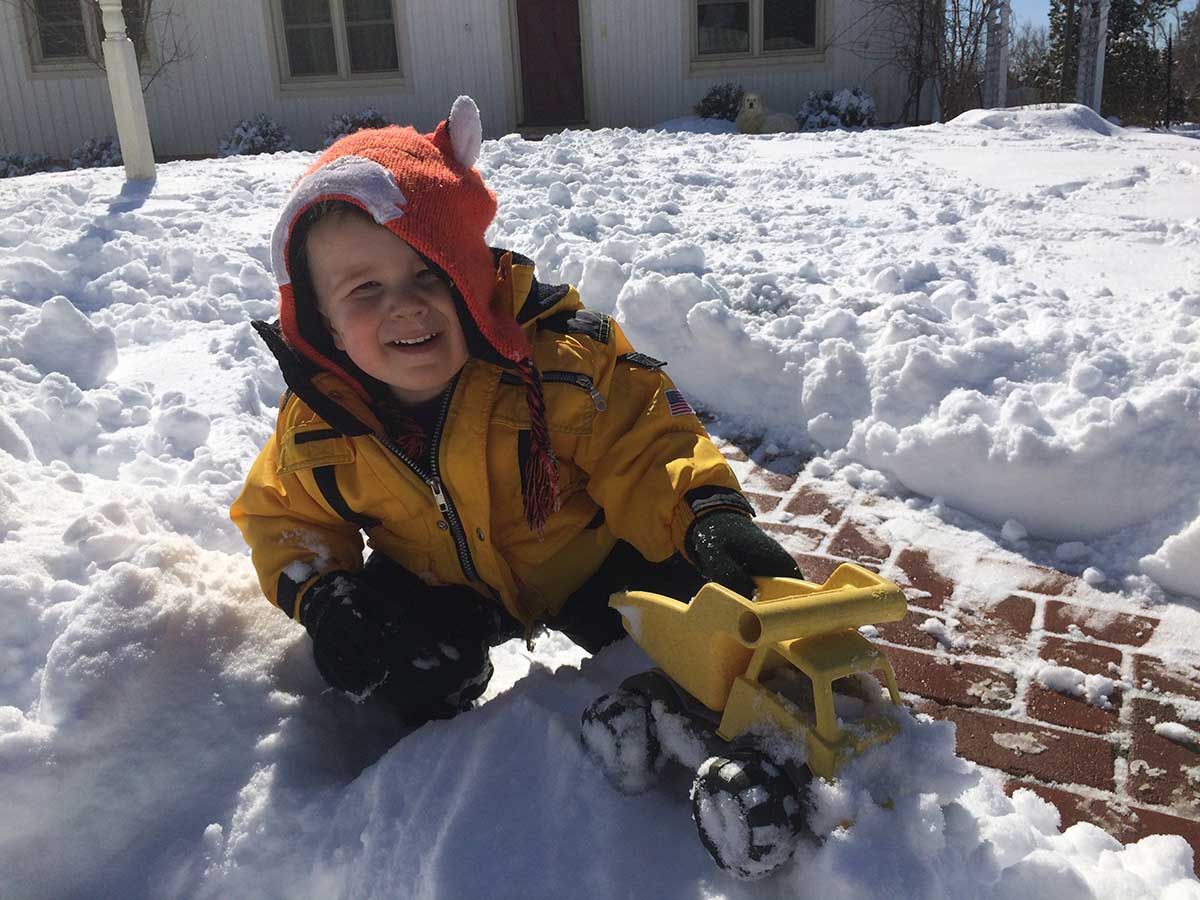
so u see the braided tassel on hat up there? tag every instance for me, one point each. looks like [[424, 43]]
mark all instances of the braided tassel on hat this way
[[540, 486]]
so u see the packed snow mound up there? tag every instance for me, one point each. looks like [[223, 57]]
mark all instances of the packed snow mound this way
[[1041, 119]]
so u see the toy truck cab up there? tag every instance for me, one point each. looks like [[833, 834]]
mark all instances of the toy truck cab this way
[[736, 669]]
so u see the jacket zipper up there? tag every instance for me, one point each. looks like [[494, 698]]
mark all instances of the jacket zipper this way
[[578, 379], [434, 482]]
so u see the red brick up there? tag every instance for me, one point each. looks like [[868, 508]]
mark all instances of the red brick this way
[[1040, 580], [951, 681], [731, 450], [857, 543], [793, 537], [1067, 758], [762, 503], [997, 630], [907, 631], [816, 568], [1104, 625], [811, 502], [1127, 824], [1072, 712], [1162, 771], [920, 574], [1154, 675], [762, 476], [788, 463], [1091, 659]]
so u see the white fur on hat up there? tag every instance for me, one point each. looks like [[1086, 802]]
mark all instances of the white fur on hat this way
[[466, 131]]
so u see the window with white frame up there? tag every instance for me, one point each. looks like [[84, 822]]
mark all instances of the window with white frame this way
[[323, 41], [760, 30], [68, 33]]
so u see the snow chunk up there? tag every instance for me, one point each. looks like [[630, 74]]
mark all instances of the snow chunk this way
[[65, 340], [1177, 732], [1095, 689], [1176, 564], [181, 428], [1013, 531]]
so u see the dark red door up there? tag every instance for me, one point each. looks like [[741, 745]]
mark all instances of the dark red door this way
[[551, 61]]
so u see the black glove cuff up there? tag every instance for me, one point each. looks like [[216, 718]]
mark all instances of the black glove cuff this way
[[318, 598]]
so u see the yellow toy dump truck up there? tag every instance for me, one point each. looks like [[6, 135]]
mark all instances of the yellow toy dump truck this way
[[758, 696]]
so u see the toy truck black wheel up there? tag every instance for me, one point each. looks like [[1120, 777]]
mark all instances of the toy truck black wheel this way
[[749, 812], [618, 731]]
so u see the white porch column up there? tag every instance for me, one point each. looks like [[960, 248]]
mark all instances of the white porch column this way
[[125, 86], [1093, 37], [995, 78]]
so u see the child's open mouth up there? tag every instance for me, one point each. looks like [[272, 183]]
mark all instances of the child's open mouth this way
[[411, 345]]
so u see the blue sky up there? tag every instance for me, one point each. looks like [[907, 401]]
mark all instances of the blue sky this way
[[1038, 11]]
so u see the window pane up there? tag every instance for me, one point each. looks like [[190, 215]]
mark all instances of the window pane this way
[[60, 29], [789, 24], [723, 27], [310, 50], [306, 12], [368, 10], [372, 48]]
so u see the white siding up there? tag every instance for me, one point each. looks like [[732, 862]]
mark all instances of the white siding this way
[[635, 73], [638, 53], [44, 114], [231, 76]]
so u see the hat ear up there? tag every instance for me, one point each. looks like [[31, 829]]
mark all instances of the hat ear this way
[[466, 131]]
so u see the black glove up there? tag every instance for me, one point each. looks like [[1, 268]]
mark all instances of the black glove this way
[[727, 547], [426, 655]]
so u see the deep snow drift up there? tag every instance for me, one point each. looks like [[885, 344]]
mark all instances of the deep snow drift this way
[[990, 322]]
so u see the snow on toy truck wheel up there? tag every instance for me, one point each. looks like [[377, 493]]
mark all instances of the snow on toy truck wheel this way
[[748, 811], [618, 731]]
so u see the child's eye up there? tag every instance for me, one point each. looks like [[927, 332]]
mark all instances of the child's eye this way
[[365, 286]]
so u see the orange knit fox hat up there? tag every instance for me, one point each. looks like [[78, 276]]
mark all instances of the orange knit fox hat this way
[[424, 189]]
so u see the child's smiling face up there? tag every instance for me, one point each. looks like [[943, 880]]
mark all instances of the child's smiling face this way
[[385, 307]]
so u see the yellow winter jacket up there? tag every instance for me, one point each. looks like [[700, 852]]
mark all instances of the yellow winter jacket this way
[[634, 464]]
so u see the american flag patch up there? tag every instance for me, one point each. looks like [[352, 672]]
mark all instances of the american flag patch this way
[[679, 406]]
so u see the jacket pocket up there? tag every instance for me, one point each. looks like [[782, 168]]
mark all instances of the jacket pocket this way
[[572, 402], [311, 445]]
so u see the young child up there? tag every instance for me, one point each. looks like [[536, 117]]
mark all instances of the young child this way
[[509, 455]]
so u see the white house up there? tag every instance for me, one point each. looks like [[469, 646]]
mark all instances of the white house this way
[[532, 65]]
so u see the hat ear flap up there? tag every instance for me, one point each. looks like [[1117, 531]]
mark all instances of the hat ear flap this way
[[466, 131]]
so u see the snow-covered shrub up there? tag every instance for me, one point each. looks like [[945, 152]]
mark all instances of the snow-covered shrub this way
[[343, 124], [15, 164], [848, 108], [93, 152], [721, 102], [262, 134]]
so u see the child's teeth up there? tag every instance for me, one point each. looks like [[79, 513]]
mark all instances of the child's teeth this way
[[419, 340]]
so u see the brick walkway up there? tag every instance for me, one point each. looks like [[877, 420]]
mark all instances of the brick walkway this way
[[1103, 766]]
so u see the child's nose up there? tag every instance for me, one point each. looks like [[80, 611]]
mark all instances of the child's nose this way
[[403, 301]]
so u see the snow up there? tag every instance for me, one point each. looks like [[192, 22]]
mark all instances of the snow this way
[[986, 325], [1095, 689], [1179, 733]]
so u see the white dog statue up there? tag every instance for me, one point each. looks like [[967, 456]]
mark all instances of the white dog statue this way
[[753, 118]]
